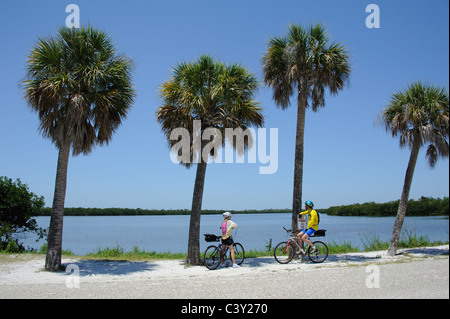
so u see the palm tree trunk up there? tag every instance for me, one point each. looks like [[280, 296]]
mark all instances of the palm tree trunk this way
[[53, 257], [298, 166], [401, 213], [193, 257]]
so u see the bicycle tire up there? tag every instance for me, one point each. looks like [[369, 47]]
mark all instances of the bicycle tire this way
[[211, 257], [239, 253], [283, 252], [321, 255]]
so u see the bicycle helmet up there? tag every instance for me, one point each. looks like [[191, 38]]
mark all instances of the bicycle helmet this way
[[226, 214], [309, 203]]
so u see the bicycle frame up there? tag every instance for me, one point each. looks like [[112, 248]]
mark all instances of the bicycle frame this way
[[223, 256], [216, 253], [294, 240], [287, 250]]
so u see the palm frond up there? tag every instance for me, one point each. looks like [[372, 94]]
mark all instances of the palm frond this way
[[304, 61], [80, 88], [420, 114], [220, 96]]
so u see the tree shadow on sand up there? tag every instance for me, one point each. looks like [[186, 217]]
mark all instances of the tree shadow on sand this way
[[362, 257], [357, 257], [90, 267]]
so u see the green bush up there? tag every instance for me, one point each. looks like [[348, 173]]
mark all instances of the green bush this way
[[425, 206], [17, 207]]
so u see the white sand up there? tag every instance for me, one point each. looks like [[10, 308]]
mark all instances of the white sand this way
[[22, 276]]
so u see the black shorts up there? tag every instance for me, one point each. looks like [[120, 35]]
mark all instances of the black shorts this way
[[229, 241]]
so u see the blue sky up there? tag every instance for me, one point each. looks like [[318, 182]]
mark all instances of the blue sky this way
[[349, 158]]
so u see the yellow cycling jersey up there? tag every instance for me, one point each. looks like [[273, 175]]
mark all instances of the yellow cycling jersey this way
[[313, 219]]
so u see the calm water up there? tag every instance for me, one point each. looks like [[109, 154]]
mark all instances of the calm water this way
[[83, 234]]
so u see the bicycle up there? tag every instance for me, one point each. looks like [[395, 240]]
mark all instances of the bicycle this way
[[213, 254], [284, 252]]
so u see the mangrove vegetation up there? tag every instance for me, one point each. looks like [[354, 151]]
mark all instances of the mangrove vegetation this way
[[424, 206]]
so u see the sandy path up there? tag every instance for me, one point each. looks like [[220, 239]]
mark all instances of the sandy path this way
[[341, 276]]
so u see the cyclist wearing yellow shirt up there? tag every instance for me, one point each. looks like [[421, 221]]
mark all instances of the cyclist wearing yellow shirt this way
[[311, 228]]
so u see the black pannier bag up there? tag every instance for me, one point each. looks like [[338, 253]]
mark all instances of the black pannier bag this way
[[319, 233], [211, 238]]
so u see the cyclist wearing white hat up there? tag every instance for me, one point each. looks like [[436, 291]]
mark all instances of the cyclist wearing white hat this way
[[226, 227]]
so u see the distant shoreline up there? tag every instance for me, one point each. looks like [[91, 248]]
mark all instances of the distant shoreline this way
[[80, 211], [425, 206]]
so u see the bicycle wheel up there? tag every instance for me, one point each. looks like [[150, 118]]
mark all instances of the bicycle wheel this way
[[319, 256], [283, 252], [239, 253], [211, 257]]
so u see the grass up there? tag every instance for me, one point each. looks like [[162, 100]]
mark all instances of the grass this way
[[408, 239], [137, 253]]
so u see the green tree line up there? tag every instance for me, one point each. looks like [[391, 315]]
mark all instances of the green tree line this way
[[80, 211], [425, 206]]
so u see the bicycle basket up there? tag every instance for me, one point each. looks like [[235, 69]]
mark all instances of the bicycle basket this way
[[211, 237], [319, 233]]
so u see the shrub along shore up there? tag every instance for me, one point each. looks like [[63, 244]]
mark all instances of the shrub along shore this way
[[407, 240], [425, 206]]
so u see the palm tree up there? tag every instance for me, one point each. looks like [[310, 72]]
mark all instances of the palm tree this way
[[218, 95], [81, 90], [419, 115], [303, 62]]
